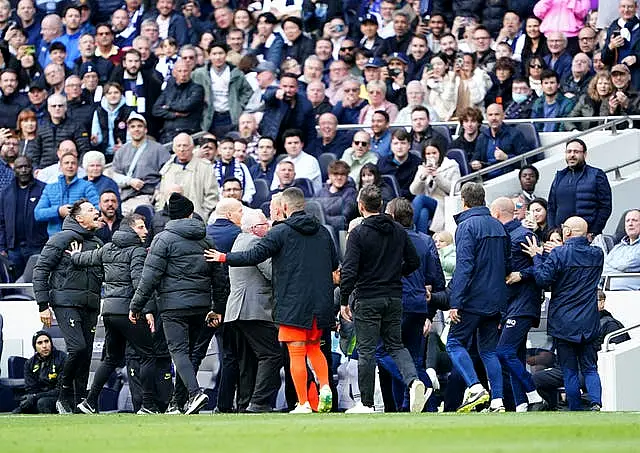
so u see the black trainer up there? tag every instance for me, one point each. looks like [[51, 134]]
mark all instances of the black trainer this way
[[196, 402], [538, 407], [63, 407]]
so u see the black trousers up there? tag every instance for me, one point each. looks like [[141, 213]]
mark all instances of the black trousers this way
[[78, 327], [182, 329], [119, 330], [260, 368]]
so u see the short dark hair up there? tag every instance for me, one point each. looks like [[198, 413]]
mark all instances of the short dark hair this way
[[549, 74], [222, 45], [472, 194], [401, 134], [293, 20], [529, 167], [131, 219], [132, 51], [338, 166], [77, 207], [438, 144], [401, 211], [232, 180], [580, 142], [292, 133], [383, 113], [57, 45], [506, 63], [372, 169], [289, 75], [421, 108], [225, 139], [521, 80], [108, 191], [371, 198], [541, 201], [104, 24], [266, 137]]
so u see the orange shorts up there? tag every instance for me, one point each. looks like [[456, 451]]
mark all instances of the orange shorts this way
[[288, 334]]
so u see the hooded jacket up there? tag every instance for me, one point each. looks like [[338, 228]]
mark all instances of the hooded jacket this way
[[303, 259], [110, 125], [372, 265], [175, 267], [42, 375], [36, 234], [122, 260], [57, 282]]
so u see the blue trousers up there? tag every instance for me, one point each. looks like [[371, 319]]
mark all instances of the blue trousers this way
[[424, 208], [460, 336], [575, 358], [511, 345]]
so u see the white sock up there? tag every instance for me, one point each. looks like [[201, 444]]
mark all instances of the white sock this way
[[476, 388], [434, 378], [522, 407], [534, 397], [496, 403]]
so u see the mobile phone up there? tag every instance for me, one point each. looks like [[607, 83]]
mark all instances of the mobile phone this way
[[29, 50], [430, 161], [530, 217], [339, 28], [394, 72], [615, 34], [429, 67]]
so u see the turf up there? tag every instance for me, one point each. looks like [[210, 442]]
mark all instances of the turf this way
[[389, 433]]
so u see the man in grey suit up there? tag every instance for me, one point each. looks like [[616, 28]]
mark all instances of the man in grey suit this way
[[249, 309]]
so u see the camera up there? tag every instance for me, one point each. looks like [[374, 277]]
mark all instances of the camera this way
[[339, 28], [394, 72]]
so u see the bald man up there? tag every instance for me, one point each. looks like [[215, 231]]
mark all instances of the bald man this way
[[523, 310], [573, 271]]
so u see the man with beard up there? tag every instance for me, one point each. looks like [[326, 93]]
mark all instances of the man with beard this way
[[171, 24], [120, 25], [401, 39], [142, 87], [109, 214], [8, 154], [20, 234], [11, 101], [87, 47], [73, 294], [437, 27]]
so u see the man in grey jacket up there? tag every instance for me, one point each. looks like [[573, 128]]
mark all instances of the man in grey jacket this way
[[249, 311]]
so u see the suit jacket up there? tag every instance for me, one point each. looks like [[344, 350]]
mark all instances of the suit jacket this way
[[251, 296]]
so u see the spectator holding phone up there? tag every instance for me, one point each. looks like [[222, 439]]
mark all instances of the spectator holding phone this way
[[622, 44]]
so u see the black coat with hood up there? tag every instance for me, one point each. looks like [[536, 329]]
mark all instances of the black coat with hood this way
[[372, 265], [42, 375], [303, 259], [175, 267], [122, 260], [56, 281]]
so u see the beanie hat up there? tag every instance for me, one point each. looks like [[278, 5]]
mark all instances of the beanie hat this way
[[179, 207], [39, 333]]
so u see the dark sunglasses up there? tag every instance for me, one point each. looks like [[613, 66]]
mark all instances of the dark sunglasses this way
[[535, 66], [356, 142], [347, 49]]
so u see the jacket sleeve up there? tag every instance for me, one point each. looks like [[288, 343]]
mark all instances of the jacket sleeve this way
[[154, 266], [350, 266], [49, 258], [551, 204], [245, 93], [82, 141], [137, 265], [411, 260], [3, 225], [603, 197], [465, 262], [36, 151], [211, 195], [269, 97], [30, 379], [45, 211], [219, 288], [179, 30], [263, 249], [161, 107], [546, 269], [275, 53], [88, 258]]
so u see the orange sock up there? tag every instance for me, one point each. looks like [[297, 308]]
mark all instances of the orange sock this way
[[298, 367], [318, 362], [312, 394]]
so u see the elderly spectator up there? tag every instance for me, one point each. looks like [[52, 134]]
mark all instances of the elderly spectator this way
[[377, 91], [78, 107], [338, 196], [57, 128], [226, 91], [359, 154], [54, 77], [27, 128], [180, 104], [622, 44], [531, 43], [93, 163], [136, 166], [51, 173], [594, 102], [330, 140], [58, 197], [109, 125], [51, 30], [263, 77], [312, 70], [625, 100], [347, 110], [416, 96], [553, 104], [559, 59], [579, 189], [587, 41], [522, 98], [248, 130], [433, 181], [338, 71], [193, 174], [625, 256], [11, 100], [576, 83], [316, 94]]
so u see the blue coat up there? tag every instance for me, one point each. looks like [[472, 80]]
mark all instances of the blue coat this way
[[414, 296], [276, 111], [632, 47], [508, 139], [223, 232], [274, 54], [36, 233], [573, 272], [524, 297], [60, 193], [348, 115], [483, 252], [584, 192], [562, 66], [177, 26]]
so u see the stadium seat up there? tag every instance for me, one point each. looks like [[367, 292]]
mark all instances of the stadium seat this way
[[459, 156], [305, 185], [27, 275], [262, 193], [445, 132], [325, 160], [334, 238], [393, 183], [530, 134], [15, 366], [147, 211], [314, 207]]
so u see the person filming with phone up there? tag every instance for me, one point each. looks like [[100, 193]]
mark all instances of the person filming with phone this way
[[622, 44]]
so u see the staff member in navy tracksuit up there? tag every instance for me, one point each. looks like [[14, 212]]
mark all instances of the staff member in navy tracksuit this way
[[573, 271], [523, 310], [478, 296]]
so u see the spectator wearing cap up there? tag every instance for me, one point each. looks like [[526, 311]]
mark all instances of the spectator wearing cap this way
[[625, 100], [71, 38], [264, 76], [226, 91], [371, 40], [92, 90], [51, 30], [622, 44], [89, 62], [105, 47], [136, 166], [266, 43], [402, 36], [297, 45], [11, 101], [347, 110], [396, 82], [38, 100], [171, 24]]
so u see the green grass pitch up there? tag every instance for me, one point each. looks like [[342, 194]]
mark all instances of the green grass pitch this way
[[389, 433]]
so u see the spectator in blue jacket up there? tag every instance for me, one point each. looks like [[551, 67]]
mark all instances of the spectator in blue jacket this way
[[177, 26], [579, 190], [523, 310], [58, 197], [478, 296], [552, 104], [266, 43], [347, 110], [559, 58], [622, 44], [573, 272], [20, 234], [497, 143]]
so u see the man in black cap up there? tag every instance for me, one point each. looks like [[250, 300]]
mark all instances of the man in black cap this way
[[38, 99], [42, 374], [371, 40], [176, 270]]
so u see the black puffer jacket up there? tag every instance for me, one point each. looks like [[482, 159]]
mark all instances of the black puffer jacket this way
[[175, 267], [122, 260], [49, 136], [57, 282], [303, 258], [186, 98]]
